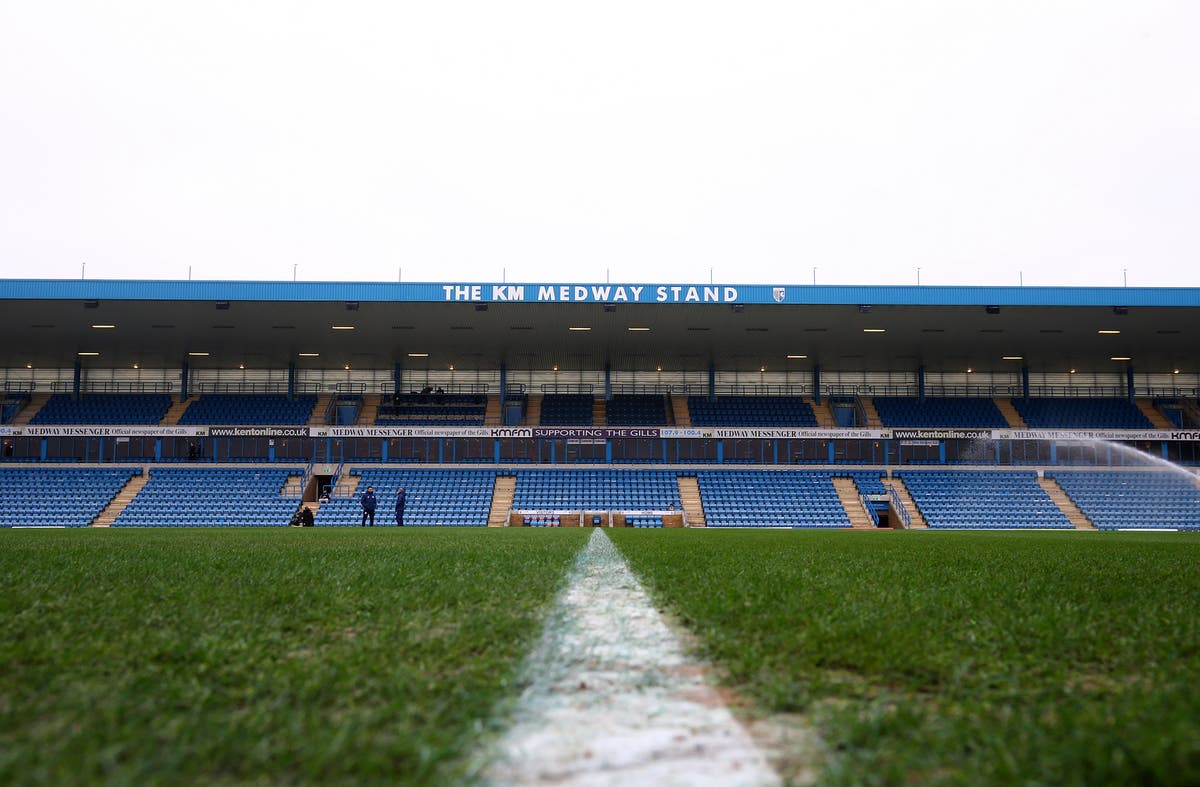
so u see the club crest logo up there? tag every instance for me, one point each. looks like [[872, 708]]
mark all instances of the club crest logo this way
[[779, 293]]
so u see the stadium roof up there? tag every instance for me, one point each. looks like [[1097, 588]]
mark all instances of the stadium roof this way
[[530, 326]]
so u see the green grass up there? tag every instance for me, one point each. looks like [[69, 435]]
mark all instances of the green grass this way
[[954, 658], [283, 656]]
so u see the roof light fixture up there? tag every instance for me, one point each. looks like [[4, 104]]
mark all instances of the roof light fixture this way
[[102, 327]]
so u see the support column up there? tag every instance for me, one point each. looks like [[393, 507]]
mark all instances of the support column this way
[[942, 452], [816, 378], [921, 384], [607, 381], [158, 449], [183, 381], [398, 378], [1129, 382], [832, 451], [292, 380], [503, 402], [1024, 382], [78, 379], [712, 383]]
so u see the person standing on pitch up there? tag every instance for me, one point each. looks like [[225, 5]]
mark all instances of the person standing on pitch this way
[[400, 500], [368, 502]]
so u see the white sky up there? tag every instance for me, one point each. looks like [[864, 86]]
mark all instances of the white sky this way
[[640, 141]]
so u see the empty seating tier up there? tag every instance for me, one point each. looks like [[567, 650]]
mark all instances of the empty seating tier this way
[[58, 496], [790, 411], [596, 490], [763, 498], [452, 498], [433, 409], [637, 410], [1133, 499], [566, 410], [212, 497], [249, 410], [1053, 413], [945, 412], [982, 500], [124, 409]]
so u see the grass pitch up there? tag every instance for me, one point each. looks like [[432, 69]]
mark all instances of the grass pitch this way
[[245, 655], [352, 655], [954, 658]]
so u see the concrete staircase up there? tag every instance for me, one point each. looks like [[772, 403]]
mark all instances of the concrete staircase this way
[[823, 412], [852, 502], [599, 413], [1014, 419], [689, 495], [36, 402], [1191, 410], [533, 410], [679, 406], [502, 498], [872, 415], [317, 416], [122, 499], [491, 415], [916, 521], [176, 410], [1151, 412], [370, 410], [1066, 504], [347, 485]]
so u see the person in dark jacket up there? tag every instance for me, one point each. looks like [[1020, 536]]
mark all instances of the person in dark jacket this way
[[368, 502], [306, 517], [400, 500]]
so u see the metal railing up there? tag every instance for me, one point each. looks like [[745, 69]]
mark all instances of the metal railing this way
[[898, 504], [870, 508], [567, 388], [388, 389]]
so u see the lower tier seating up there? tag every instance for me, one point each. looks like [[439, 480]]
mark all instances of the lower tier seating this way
[[212, 497], [450, 497], [597, 490], [1133, 499], [982, 500], [765, 498], [58, 496]]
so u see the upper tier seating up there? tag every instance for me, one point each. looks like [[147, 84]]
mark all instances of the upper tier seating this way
[[566, 410], [790, 411], [58, 496], [456, 498], [983, 500], [249, 410], [947, 412], [597, 490], [1133, 499], [104, 408], [636, 410], [433, 409], [11, 404], [1058, 413], [770, 498], [212, 497]]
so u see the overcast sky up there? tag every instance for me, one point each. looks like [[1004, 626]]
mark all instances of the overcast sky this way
[[982, 142]]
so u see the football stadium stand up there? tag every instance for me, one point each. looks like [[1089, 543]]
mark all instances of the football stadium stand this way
[[1134, 499], [766, 498], [949, 412], [433, 410], [1072, 413], [596, 490], [40, 496], [212, 497], [249, 410], [566, 410], [434, 497], [982, 500], [790, 411], [637, 410], [103, 408]]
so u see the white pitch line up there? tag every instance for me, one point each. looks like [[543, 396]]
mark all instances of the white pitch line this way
[[613, 700]]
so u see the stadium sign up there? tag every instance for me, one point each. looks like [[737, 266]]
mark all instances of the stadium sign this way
[[761, 433], [1067, 435], [597, 293], [108, 431], [258, 431]]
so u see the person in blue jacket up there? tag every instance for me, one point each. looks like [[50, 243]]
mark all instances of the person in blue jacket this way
[[367, 501], [400, 500]]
